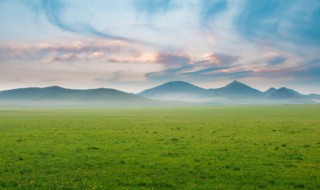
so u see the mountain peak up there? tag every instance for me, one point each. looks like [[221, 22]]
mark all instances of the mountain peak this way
[[173, 87], [237, 89], [177, 83], [270, 91], [272, 88], [284, 93], [53, 87], [283, 88], [236, 83]]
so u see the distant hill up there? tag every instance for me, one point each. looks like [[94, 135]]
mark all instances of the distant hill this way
[[269, 92], [180, 89], [314, 96], [286, 93], [61, 95], [236, 89], [170, 93], [233, 93], [175, 90]]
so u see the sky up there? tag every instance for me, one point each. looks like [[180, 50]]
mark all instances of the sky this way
[[132, 45]]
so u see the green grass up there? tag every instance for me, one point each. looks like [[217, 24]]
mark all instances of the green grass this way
[[244, 147]]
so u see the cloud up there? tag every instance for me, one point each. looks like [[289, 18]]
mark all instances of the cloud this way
[[210, 9], [211, 61], [173, 59], [17, 51], [314, 63], [77, 74], [14, 80], [57, 13], [262, 18], [64, 58], [151, 7], [202, 70], [168, 60], [311, 73], [221, 58], [212, 65], [304, 76], [277, 60], [106, 51], [65, 51], [280, 20], [229, 75], [122, 76], [141, 57]]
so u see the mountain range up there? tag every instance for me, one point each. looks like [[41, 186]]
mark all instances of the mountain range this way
[[234, 90], [56, 95], [167, 93]]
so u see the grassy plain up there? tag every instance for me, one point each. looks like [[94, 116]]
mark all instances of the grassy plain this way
[[223, 147]]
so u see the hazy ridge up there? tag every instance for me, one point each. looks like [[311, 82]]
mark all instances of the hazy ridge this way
[[170, 93]]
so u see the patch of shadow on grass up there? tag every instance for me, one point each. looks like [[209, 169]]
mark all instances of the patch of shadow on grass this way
[[235, 168], [170, 154], [272, 182], [299, 185], [175, 139], [93, 148], [196, 160], [296, 157], [155, 185], [290, 166]]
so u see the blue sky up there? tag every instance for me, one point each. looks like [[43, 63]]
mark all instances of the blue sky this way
[[136, 44]]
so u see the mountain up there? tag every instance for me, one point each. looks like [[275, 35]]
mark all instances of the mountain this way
[[286, 93], [270, 91], [178, 92], [233, 93], [58, 95], [236, 89], [175, 90], [314, 96]]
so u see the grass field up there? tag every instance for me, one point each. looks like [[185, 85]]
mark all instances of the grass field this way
[[244, 147]]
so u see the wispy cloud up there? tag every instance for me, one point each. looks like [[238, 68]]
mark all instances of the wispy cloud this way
[[210, 9], [57, 13], [151, 7], [64, 52], [220, 58], [280, 20], [173, 59], [277, 60]]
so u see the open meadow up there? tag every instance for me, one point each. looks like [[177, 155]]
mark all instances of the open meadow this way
[[221, 147]]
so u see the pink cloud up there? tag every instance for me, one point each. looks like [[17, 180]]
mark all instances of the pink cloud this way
[[65, 51], [220, 58]]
